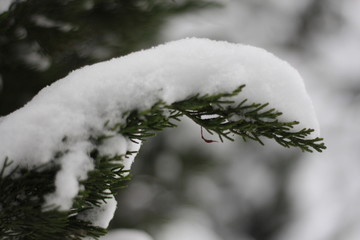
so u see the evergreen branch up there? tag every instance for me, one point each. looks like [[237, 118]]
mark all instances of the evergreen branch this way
[[21, 215], [218, 114], [22, 191], [109, 174], [250, 121]]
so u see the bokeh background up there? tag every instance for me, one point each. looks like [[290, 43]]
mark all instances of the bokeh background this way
[[182, 187]]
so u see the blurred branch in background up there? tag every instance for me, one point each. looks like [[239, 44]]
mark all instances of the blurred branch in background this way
[[41, 41], [320, 38]]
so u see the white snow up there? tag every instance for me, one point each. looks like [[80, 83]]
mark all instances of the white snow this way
[[100, 216], [77, 106], [74, 167], [118, 145]]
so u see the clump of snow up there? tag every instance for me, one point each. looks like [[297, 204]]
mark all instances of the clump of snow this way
[[118, 145], [64, 116], [100, 216], [74, 167]]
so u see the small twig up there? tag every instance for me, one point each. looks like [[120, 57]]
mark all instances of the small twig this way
[[206, 140]]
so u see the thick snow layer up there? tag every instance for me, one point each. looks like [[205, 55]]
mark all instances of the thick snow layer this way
[[63, 116]]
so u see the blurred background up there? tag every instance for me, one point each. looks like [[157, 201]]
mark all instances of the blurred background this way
[[182, 187]]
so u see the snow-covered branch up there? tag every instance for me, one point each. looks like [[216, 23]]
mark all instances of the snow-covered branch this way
[[82, 132]]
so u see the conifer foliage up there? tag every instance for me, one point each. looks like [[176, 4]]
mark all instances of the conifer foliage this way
[[22, 191], [63, 35]]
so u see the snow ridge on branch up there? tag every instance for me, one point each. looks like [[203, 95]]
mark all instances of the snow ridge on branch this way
[[89, 126]]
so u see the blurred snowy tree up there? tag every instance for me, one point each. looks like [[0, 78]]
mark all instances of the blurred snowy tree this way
[[321, 38], [41, 41]]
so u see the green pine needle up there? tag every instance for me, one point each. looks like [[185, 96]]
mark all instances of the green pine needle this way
[[22, 191]]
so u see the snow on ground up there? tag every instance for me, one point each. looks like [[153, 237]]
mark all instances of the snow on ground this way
[[63, 116]]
